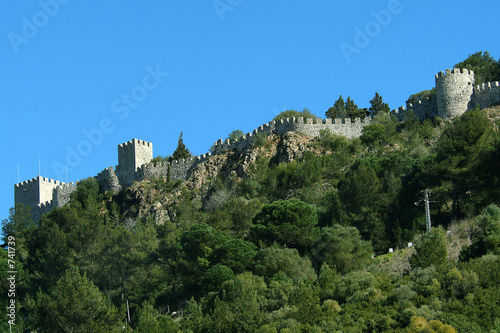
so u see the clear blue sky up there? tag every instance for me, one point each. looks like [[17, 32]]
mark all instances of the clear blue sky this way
[[68, 66]]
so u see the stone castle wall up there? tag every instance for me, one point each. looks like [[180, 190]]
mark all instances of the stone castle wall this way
[[486, 95], [310, 127], [42, 194], [131, 155], [108, 180], [455, 94], [61, 194], [454, 91]]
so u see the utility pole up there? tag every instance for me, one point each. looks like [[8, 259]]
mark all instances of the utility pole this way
[[427, 211]]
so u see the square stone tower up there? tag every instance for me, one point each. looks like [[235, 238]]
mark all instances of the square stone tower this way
[[131, 155], [35, 192]]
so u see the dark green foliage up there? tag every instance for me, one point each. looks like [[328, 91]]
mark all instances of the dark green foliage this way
[[235, 253], [289, 222], [76, 305], [462, 168], [87, 193], [378, 105], [430, 249], [181, 152], [246, 254], [485, 67], [215, 276], [342, 248], [150, 321], [353, 111], [345, 109], [487, 238], [271, 262], [338, 110], [381, 131], [235, 135], [159, 159], [421, 96], [305, 113], [259, 140]]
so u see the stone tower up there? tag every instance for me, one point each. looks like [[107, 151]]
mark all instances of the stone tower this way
[[454, 91], [131, 155], [35, 191]]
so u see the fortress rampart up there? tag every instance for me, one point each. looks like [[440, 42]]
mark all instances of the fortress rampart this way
[[455, 94]]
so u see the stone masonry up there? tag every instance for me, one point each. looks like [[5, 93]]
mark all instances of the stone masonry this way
[[455, 94]]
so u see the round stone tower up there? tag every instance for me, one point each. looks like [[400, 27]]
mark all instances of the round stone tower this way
[[454, 90]]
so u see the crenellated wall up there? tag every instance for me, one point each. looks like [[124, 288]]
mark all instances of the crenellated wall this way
[[61, 194], [35, 191], [309, 126], [108, 180], [455, 94], [486, 95]]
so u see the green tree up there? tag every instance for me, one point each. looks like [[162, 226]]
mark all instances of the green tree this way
[[487, 238], [485, 67], [235, 135], [378, 105], [289, 222], [191, 257], [235, 253], [272, 261], [361, 194], [414, 98], [76, 305], [181, 152], [20, 225], [86, 194], [462, 169], [241, 306], [215, 276], [338, 110], [430, 249], [342, 248], [381, 131], [305, 113], [150, 321], [352, 110]]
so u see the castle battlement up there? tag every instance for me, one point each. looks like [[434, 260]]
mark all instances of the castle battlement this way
[[487, 86], [38, 179], [45, 205], [455, 94], [67, 185], [455, 71], [135, 141]]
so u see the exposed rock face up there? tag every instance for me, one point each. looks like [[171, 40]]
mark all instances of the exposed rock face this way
[[155, 202], [292, 147]]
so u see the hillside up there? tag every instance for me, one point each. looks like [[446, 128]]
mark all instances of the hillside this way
[[290, 234]]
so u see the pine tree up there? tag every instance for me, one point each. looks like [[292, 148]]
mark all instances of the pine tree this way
[[181, 152], [378, 105], [337, 110], [351, 108]]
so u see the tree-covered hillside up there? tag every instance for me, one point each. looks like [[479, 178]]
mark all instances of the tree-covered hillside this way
[[291, 235]]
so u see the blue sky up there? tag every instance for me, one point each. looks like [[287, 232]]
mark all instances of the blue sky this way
[[117, 70]]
